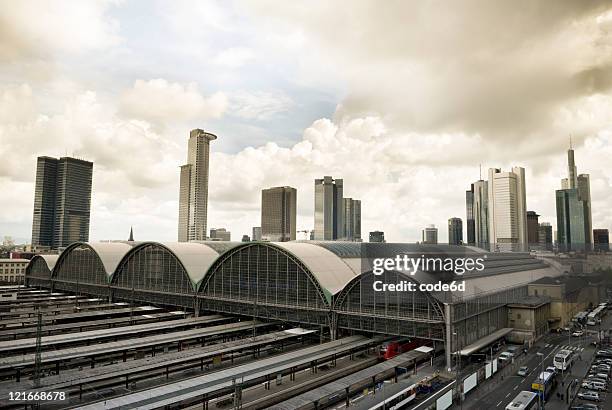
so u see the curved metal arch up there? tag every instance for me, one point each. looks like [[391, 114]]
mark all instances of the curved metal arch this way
[[325, 298], [66, 253], [141, 246], [35, 259], [341, 297]]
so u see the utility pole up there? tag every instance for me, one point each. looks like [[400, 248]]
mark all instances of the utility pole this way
[[37, 358]]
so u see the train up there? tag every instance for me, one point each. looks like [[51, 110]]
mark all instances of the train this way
[[390, 349]]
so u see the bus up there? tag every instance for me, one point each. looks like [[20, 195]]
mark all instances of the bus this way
[[545, 383], [563, 360], [580, 317], [525, 400]]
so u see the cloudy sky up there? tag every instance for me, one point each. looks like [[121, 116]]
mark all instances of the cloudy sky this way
[[404, 100]]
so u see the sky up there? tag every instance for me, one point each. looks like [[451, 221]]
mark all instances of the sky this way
[[405, 101]]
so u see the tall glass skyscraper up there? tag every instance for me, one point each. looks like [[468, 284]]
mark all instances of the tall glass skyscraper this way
[[455, 231], [278, 213], [62, 201], [573, 201], [193, 195], [352, 219], [328, 209], [470, 223], [481, 214]]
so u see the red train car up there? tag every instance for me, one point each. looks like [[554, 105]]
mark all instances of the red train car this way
[[391, 349]]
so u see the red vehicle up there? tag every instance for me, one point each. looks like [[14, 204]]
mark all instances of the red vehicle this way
[[391, 349]]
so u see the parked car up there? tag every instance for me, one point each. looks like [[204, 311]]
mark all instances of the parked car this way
[[578, 333], [597, 380], [599, 375], [506, 356], [523, 371], [586, 406], [603, 360], [551, 369], [593, 385], [589, 395]]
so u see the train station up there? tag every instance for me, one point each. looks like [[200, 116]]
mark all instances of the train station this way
[[127, 322]]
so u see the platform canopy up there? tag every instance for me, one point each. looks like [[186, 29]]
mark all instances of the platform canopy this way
[[485, 341]]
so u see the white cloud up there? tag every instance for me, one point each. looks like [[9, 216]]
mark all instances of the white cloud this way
[[34, 29], [159, 101], [259, 105]]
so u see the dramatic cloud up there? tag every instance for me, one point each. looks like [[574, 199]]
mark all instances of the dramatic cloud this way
[[404, 101], [161, 102]]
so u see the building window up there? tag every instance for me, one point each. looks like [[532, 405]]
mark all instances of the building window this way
[[518, 315]]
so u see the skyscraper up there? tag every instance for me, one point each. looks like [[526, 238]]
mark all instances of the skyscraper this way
[[62, 201], [193, 195], [278, 213], [601, 240], [574, 221], [469, 221], [481, 214], [545, 236], [328, 209], [532, 229], [352, 220], [430, 235], [256, 233], [507, 209], [455, 231]]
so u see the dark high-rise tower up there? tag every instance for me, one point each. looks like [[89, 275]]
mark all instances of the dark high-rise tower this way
[[532, 229], [455, 231], [62, 201], [470, 223], [44, 201], [278, 213], [328, 217]]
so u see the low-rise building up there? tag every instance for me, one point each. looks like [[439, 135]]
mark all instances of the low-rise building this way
[[13, 270], [529, 316], [568, 296]]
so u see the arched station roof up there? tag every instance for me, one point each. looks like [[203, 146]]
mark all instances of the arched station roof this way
[[49, 260], [195, 257]]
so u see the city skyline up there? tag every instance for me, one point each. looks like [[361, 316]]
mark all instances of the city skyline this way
[[282, 119]]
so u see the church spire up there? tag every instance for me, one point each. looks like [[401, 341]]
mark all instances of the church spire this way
[[131, 239]]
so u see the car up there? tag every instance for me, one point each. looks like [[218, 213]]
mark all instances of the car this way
[[578, 333], [586, 406], [606, 367], [506, 356], [551, 369], [593, 385], [589, 395], [603, 360], [591, 323], [599, 375], [597, 380], [523, 371]]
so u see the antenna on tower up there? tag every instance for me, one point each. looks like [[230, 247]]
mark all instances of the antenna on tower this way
[[571, 141], [480, 171]]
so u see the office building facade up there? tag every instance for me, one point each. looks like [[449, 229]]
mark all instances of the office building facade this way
[[470, 223], [278, 214], [545, 236], [455, 231], [220, 234], [533, 229], [507, 210], [256, 233], [352, 220], [481, 214], [193, 193], [429, 235], [328, 209], [601, 240], [62, 201]]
